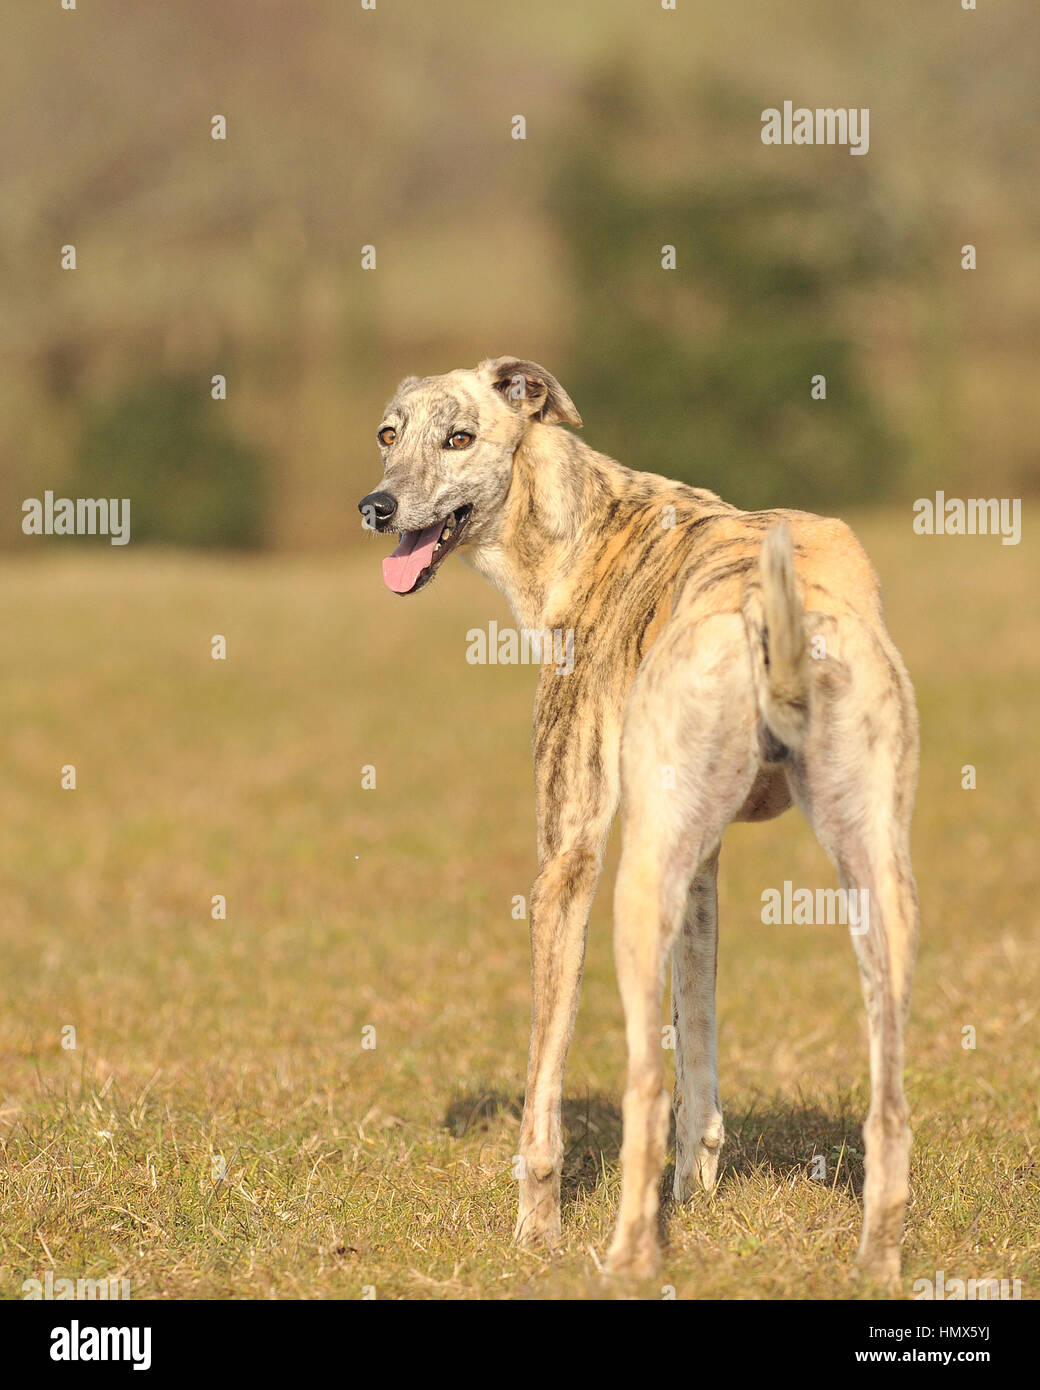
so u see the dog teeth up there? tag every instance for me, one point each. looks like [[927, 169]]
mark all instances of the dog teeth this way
[[446, 533]]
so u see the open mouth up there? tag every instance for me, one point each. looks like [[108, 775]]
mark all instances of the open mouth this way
[[413, 563]]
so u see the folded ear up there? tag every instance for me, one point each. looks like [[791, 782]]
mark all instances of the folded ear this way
[[530, 389]]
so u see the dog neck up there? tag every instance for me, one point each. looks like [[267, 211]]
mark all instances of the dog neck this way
[[565, 504], [559, 495]]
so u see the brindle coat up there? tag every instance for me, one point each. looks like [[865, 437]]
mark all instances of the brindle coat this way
[[693, 701]]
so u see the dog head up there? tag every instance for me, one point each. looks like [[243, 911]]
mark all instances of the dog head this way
[[448, 444]]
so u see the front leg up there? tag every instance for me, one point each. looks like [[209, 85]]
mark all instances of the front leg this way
[[576, 778]]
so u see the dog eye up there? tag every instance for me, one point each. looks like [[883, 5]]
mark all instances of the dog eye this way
[[461, 439], [387, 435]]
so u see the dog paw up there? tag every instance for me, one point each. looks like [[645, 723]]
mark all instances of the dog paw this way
[[635, 1259], [881, 1265], [538, 1230], [699, 1166]]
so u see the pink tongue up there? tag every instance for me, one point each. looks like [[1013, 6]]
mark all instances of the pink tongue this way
[[404, 566]]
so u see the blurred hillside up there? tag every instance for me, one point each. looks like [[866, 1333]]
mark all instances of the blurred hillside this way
[[391, 128]]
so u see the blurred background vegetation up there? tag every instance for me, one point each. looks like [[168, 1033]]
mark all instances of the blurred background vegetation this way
[[391, 128]]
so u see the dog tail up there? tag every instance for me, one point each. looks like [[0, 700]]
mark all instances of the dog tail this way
[[779, 652]]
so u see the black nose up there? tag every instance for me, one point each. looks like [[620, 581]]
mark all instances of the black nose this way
[[377, 508]]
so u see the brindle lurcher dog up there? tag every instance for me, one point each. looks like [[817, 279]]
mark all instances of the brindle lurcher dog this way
[[694, 701]]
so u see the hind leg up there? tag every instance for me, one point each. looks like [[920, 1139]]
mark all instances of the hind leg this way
[[885, 952], [855, 780], [691, 715], [699, 1130]]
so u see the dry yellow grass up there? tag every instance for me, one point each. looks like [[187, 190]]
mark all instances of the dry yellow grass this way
[[390, 908]]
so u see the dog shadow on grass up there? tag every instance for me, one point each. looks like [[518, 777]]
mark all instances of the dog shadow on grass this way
[[781, 1138]]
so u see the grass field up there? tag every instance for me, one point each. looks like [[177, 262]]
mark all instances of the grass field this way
[[206, 1046]]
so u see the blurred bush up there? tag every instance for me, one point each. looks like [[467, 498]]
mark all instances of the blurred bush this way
[[191, 482], [726, 406], [703, 372]]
